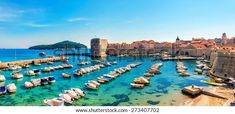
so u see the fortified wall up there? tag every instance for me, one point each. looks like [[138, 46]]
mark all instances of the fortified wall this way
[[223, 64], [98, 47]]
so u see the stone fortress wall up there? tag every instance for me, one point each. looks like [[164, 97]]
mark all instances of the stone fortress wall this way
[[223, 64]]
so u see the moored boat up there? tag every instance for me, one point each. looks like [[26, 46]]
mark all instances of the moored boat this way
[[91, 86], [79, 91], [66, 98], [133, 85], [2, 78], [17, 75], [54, 102], [28, 84], [212, 83], [51, 79], [11, 88], [72, 94], [3, 90], [66, 75]]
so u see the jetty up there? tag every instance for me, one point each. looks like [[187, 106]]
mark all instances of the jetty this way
[[194, 91], [177, 58], [4, 65]]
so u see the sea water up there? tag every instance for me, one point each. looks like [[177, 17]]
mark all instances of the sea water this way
[[115, 93]]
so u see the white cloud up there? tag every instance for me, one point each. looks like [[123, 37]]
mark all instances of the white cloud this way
[[36, 25], [78, 19]]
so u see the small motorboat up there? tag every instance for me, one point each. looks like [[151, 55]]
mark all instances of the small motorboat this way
[[46, 69], [184, 74], [26, 66], [141, 80], [67, 66], [54, 102], [2, 78], [79, 91], [77, 73], [36, 72], [3, 90], [28, 84], [36, 82], [133, 85], [91, 86], [212, 83], [11, 88], [30, 73], [51, 79], [83, 63], [66, 75], [66, 98], [94, 82], [14, 67], [148, 74], [17, 75], [44, 81], [72, 94]]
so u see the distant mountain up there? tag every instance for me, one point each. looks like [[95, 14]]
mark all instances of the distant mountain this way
[[60, 45]]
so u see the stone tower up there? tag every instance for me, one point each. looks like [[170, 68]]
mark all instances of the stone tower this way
[[224, 64], [177, 40], [224, 39], [98, 47]]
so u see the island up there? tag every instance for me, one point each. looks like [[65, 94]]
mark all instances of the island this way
[[60, 45]]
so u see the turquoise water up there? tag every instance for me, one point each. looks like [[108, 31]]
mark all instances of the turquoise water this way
[[114, 93]]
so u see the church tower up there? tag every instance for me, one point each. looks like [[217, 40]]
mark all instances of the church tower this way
[[224, 39]]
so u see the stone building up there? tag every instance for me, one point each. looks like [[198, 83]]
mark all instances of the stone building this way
[[99, 47], [223, 63]]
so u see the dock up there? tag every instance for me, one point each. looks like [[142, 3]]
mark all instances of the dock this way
[[192, 91], [4, 65], [178, 58]]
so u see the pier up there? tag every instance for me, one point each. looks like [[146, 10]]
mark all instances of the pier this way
[[4, 65]]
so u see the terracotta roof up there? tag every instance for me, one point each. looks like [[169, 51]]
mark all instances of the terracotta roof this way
[[198, 46]]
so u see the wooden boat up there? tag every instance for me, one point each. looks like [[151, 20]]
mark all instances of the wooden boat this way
[[184, 74], [133, 85], [11, 88], [212, 83], [54, 102], [141, 80], [66, 75]]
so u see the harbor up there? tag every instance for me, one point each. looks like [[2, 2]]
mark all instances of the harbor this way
[[163, 83]]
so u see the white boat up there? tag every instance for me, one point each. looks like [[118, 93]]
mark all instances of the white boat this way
[[2, 78], [91, 86], [36, 82], [66, 98], [54, 102], [30, 73], [28, 84], [79, 91], [14, 67], [11, 88], [72, 94], [94, 82], [17, 75]]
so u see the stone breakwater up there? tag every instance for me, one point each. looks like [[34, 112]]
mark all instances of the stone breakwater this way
[[32, 61], [224, 64]]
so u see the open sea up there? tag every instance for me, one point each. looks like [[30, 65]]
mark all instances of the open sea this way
[[115, 93]]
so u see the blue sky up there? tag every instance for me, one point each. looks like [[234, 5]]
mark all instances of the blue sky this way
[[24, 23]]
